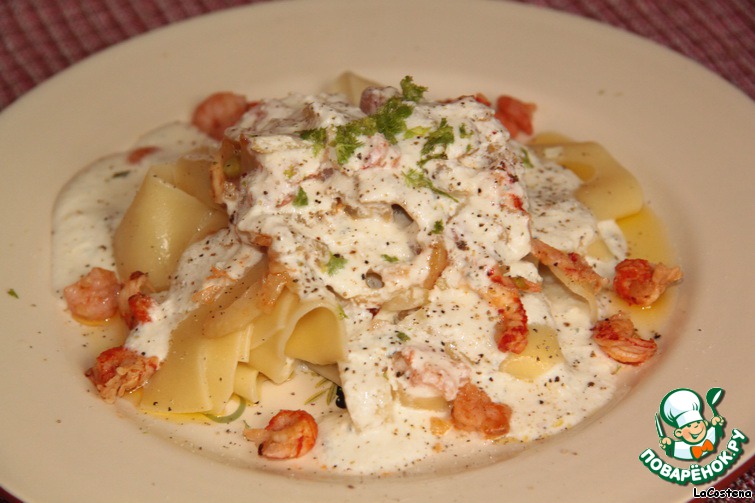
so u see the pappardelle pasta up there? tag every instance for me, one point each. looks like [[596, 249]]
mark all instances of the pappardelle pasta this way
[[451, 280]]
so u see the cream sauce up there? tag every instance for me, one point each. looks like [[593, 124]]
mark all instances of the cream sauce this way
[[473, 195]]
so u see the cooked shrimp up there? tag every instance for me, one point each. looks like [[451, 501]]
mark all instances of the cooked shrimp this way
[[515, 115], [573, 265], [140, 153], [119, 370], [95, 296], [218, 112], [639, 282], [511, 329], [134, 301], [473, 410], [617, 338], [290, 434], [424, 367]]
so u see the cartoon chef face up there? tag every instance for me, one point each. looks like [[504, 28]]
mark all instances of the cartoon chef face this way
[[692, 433], [682, 409]]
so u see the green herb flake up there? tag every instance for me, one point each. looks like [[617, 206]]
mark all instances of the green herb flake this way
[[301, 198], [390, 119], [121, 174], [525, 158], [12, 293], [290, 172], [417, 179], [335, 264], [416, 132], [389, 258], [441, 137], [464, 132], [347, 137], [410, 90], [437, 227], [402, 336], [341, 313], [318, 137]]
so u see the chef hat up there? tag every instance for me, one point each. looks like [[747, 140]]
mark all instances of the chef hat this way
[[681, 407]]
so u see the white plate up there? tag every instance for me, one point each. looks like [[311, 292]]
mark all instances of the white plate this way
[[684, 132]]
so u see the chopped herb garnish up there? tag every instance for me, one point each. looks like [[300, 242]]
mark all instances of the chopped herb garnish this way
[[121, 174], [410, 90], [417, 179], [335, 264], [464, 132], [346, 141], [341, 313], [319, 138], [12, 293], [525, 158], [437, 227], [390, 119], [290, 171], [416, 131], [389, 258], [301, 198], [442, 137], [402, 336]]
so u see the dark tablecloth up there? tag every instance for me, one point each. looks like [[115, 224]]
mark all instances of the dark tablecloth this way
[[39, 38]]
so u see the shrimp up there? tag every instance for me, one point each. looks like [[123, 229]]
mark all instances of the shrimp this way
[[134, 301], [572, 265], [136, 155], [639, 282], [119, 370], [617, 338], [515, 115], [511, 329], [424, 367], [95, 296], [289, 434], [473, 410], [218, 112]]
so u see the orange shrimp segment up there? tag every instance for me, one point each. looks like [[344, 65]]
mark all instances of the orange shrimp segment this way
[[289, 434], [473, 410], [572, 265], [218, 112], [134, 301], [515, 115], [639, 282], [119, 370], [511, 329], [95, 296], [617, 338]]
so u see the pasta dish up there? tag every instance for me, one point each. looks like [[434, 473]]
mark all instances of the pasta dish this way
[[453, 286]]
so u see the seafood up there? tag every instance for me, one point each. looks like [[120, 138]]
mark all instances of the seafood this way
[[95, 296], [119, 370], [511, 329], [639, 282], [423, 367], [617, 338], [572, 265], [218, 112], [515, 115], [289, 434], [134, 301], [473, 410]]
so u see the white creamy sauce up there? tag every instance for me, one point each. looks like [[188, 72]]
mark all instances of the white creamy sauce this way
[[365, 238]]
